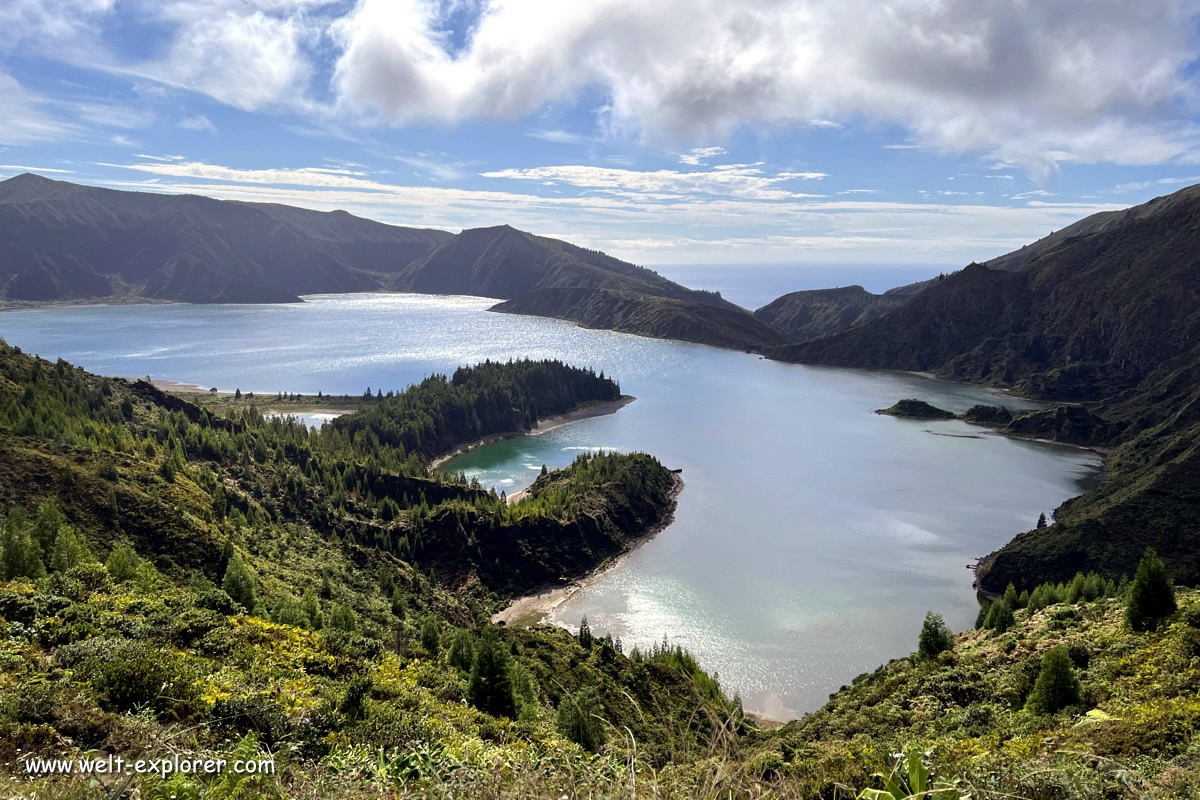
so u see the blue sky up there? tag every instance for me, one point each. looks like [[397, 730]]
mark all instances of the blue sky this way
[[852, 135]]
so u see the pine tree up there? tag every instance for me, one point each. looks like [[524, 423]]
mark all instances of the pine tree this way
[[580, 719], [999, 617], [239, 584], [226, 555], [123, 562], [1057, 687], [399, 604], [462, 650], [585, 634], [1010, 596], [343, 618], [935, 636], [311, 607], [22, 556], [288, 612], [1041, 523], [1151, 595], [46, 524], [490, 688], [430, 634], [70, 550]]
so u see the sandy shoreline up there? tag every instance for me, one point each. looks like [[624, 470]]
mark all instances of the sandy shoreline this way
[[543, 426], [535, 609]]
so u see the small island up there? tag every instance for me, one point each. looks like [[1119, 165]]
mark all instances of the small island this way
[[910, 408]]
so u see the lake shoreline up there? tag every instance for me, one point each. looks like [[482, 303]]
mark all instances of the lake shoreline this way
[[536, 608], [546, 425]]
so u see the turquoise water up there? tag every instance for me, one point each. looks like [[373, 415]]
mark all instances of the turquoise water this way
[[811, 536]]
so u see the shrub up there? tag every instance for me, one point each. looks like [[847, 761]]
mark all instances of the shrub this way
[[138, 674], [354, 699], [580, 719], [343, 618], [216, 600], [123, 562]]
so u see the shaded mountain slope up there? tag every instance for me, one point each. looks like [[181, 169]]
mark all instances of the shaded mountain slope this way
[[1107, 313], [63, 241], [814, 314], [504, 263], [1090, 317], [646, 315]]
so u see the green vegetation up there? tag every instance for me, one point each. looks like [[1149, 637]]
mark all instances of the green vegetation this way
[[689, 319], [1151, 595], [915, 409], [316, 588], [240, 608], [1131, 732], [935, 636], [438, 414], [1056, 687]]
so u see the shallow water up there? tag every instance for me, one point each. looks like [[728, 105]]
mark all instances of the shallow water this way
[[811, 536]]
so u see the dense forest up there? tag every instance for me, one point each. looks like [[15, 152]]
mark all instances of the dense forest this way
[[440, 413]]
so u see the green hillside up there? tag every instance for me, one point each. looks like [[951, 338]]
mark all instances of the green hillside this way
[[181, 585]]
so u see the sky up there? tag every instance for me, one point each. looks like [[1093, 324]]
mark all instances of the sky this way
[[847, 136]]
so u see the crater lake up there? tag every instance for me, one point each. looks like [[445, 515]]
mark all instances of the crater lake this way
[[811, 536]]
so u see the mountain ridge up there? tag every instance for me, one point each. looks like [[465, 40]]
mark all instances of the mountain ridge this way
[[647, 315], [1104, 316]]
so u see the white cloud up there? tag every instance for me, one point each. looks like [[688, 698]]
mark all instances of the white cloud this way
[[250, 54], [700, 155], [650, 226], [737, 180], [25, 118], [557, 136], [1029, 84], [1032, 84], [1030, 194], [440, 168], [247, 58], [197, 123], [1139, 185], [22, 168]]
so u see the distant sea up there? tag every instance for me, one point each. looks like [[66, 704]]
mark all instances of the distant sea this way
[[754, 285]]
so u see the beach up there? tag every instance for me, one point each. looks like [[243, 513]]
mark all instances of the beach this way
[[539, 607]]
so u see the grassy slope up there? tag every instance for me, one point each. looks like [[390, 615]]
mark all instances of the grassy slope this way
[[199, 676], [965, 709]]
